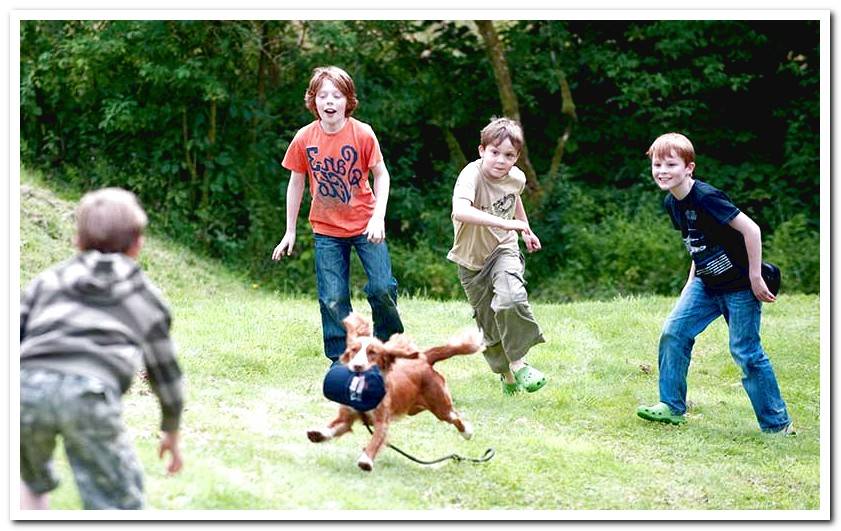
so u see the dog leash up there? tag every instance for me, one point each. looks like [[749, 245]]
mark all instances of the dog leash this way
[[487, 456]]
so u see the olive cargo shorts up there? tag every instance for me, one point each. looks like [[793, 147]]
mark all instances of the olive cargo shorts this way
[[86, 413], [501, 308]]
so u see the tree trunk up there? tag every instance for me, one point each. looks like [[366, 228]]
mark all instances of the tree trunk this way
[[568, 109], [211, 139], [211, 133], [261, 75], [510, 106], [456, 153], [188, 159]]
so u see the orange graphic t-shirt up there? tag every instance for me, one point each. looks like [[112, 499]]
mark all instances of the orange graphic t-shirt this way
[[337, 165]]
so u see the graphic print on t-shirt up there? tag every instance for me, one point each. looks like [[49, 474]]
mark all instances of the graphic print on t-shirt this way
[[335, 177], [503, 207], [711, 262]]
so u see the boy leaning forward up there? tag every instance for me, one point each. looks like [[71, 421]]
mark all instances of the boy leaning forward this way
[[487, 215]]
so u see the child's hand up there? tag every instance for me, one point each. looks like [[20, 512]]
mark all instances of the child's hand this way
[[284, 247], [531, 241], [169, 443], [375, 231], [760, 290]]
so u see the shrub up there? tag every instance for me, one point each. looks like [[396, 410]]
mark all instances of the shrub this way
[[795, 248]]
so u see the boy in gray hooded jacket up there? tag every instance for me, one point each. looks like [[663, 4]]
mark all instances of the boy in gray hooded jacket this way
[[87, 326]]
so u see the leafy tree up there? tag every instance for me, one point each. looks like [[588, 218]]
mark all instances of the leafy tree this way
[[195, 117]]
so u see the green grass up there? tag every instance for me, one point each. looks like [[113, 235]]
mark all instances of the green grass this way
[[253, 365]]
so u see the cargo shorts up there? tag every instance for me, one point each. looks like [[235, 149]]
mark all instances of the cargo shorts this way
[[87, 415], [501, 308]]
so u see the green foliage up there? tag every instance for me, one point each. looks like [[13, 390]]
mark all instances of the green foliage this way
[[795, 249], [426, 266], [195, 116], [619, 244]]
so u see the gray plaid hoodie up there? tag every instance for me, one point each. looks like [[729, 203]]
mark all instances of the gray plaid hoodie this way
[[98, 315]]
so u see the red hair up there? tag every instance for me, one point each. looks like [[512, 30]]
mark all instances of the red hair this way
[[340, 78], [664, 145]]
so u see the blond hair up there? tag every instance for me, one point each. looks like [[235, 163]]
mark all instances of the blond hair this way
[[500, 129], [109, 220], [670, 143], [340, 78]]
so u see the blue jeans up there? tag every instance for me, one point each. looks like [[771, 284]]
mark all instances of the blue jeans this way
[[332, 273], [697, 308]]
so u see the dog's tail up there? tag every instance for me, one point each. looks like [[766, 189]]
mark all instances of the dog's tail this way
[[466, 343]]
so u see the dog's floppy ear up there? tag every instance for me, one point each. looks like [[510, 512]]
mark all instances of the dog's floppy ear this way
[[356, 325]]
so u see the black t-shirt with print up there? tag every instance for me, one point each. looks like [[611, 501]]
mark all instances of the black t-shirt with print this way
[[718, 250]]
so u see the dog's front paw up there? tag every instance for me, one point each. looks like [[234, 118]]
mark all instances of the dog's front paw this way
[[318, 436], [468, 431], [365, 463]]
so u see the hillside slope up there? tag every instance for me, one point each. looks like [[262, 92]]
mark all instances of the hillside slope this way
[[253, 365]]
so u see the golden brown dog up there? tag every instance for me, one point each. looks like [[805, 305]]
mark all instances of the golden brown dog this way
[[412, 384]]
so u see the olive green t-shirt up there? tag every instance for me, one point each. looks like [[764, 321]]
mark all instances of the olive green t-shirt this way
[[472, 244]]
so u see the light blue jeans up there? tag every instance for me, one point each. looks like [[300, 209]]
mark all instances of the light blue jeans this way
[[697, 308], [332, 273]]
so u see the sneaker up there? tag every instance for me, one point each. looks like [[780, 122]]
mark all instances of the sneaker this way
[[660, 412], [530, 378], [787, 431], [509, 389]]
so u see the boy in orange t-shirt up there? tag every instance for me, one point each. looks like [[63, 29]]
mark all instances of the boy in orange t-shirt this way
[[337, 152]]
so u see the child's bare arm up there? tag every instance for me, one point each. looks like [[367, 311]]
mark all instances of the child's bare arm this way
[[382, 184], [464, 211], [529, 238], [753, 243], [294, 195], [691, 276]]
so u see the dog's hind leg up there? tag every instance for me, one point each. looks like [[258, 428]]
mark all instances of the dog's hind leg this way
[[443, 410], [336, 428], [464, 427]]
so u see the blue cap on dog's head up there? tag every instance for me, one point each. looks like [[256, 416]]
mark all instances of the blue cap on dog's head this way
[[362, 391]]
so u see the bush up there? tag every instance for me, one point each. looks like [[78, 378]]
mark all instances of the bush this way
[[423, 270], [601, 244], [795, 248]]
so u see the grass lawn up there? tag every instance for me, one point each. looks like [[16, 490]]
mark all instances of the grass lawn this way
[[253, 365]]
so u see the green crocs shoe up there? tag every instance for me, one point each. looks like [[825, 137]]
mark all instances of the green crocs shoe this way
[[509, 389], [660, 412], [530, 378]]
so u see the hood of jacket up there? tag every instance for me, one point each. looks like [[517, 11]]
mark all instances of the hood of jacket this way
[[105, 278]]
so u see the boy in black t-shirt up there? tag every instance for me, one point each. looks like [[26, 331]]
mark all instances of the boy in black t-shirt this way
[[725, 278]]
